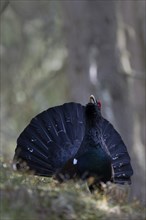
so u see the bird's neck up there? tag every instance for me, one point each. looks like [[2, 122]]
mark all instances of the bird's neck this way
[[92, 115], [90, 141]]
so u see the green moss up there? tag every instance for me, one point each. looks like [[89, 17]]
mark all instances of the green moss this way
[[33, 198]]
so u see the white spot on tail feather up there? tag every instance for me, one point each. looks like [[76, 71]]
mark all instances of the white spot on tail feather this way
[[75, 161]]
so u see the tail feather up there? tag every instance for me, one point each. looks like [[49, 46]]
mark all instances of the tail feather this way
[[32, 162], [31, 137], [73, 116], [115, 147], [51, 138]]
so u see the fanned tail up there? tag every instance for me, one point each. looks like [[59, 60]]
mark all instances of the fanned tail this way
[[51, 139], [59, 133]]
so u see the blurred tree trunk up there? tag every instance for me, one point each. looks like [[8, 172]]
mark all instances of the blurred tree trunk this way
[[104, 59], [133, 23], [77, 34], [121, 75]]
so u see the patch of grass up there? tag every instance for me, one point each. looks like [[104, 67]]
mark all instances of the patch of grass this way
[[34, 198]]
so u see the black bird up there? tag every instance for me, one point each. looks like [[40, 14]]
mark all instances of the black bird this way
[[74, 141]]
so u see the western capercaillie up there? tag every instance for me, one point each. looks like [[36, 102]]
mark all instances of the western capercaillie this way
[[73, 141]]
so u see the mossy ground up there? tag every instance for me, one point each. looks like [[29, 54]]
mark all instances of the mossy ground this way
[[28, 197]]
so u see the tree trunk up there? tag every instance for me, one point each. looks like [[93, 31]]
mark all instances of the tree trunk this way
[[77, 34], [135, 42], [99, 39]]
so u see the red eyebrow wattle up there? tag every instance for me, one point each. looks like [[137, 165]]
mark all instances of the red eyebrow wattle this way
[[99, 104]]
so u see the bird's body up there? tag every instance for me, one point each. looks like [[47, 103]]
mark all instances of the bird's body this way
[[73, 141], [95, 162]]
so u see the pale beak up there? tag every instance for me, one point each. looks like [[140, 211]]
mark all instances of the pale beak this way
[[92, 99]]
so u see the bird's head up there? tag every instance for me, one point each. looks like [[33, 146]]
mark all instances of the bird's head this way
[[95, 102]]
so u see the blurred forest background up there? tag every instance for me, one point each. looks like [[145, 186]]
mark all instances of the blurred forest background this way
[[59, 51]]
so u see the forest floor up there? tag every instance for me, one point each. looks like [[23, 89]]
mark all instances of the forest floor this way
[[28, 197]]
